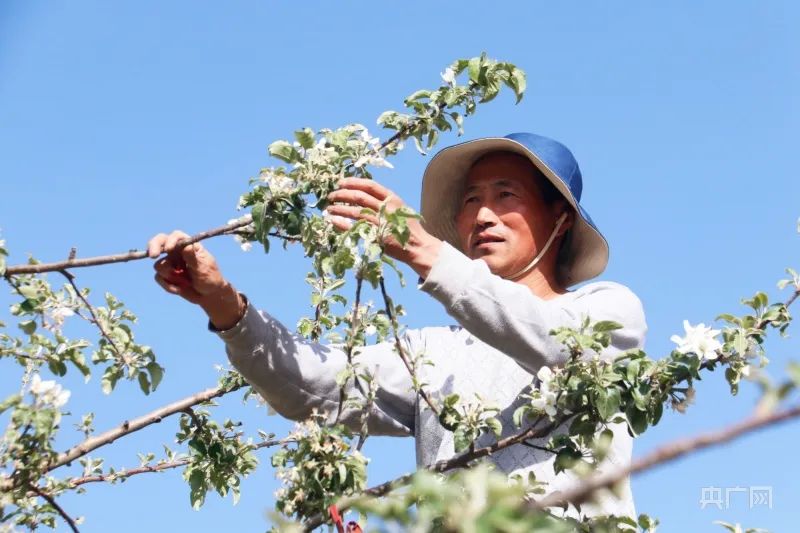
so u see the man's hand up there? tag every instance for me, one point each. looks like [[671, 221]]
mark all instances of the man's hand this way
[[357, 193], [193, 274]]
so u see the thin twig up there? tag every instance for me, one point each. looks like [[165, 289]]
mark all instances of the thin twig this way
[[665, 454], [52, 501], [124, 474], [349, 351], [94, 320], [131, 426], [399, 345]]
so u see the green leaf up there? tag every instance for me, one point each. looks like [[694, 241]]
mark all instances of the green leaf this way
[[144, 382], [109, 379], [28, 326], [519, 413], [565, 459], [11, 401], [284, 151], [305, 137], [461, 440], [156, 374], [606, 325], [342, 473], [647, 523], [608, 402], [740, 342], [496, 426], [29, 291], [518, 82], [417, 95], [197, 483], [658, 411], [632, 371], [637, 420], [474, 69], [260, 224], [57, 367]]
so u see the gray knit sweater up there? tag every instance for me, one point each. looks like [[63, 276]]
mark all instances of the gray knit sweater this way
[[501, 342]]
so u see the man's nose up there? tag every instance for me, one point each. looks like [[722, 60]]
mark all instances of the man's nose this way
[[485, 216]]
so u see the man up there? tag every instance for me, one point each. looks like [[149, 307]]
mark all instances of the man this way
[[503, 238]]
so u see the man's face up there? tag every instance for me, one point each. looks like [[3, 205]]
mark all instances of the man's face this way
[[503, 218]]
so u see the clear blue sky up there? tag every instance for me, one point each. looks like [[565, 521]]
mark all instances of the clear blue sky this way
[[119, 120]]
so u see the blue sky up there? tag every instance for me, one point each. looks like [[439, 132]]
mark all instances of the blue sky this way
[[122, 120]]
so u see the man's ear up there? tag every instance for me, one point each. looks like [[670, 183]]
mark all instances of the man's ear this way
[[565, 210]]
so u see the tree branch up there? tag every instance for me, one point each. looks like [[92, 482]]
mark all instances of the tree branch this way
[[133, 254], [665, 454], [444, 465], [349, 351], [387, 301], [131, 426], [52, 501], [94, 319], [124, 474]]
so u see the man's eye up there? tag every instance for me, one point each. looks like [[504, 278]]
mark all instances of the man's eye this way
[[506, 194], [470, 199]]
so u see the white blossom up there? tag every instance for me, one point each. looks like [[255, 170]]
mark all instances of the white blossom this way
[[749, 371], [449, 76], [373, 156], [57, 315], [320, 154], [374, 159], [546, 401], [246, 246], [49, 392], [281, 185], [700, 340]]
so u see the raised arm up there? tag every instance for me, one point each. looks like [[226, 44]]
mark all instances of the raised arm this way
[[509, 317], [293, 376]]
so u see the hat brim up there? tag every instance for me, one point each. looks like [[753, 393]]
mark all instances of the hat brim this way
[[584, 252]]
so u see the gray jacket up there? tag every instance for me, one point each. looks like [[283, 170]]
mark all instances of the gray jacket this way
[[501, 342]]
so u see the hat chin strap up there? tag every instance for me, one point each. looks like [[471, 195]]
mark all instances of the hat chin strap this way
[[539, 256]]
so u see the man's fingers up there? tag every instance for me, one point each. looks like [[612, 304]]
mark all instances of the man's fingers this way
[[351, 212], [173, 239], [167, 286], [355, 197], [367, 185], [191, 254], [163, 266], [156, 245], [340, 223]]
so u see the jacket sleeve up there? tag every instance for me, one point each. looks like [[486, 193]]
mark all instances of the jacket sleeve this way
[[509, 317], [296, 376]]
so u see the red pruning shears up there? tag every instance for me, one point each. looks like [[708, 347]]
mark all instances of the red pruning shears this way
[[352, 527]]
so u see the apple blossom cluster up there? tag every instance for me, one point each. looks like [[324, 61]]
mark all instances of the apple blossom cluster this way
[[544, 399], [700, 340], [48, 393]]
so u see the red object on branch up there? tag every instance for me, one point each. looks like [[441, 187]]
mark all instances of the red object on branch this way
[[352, 527], [336, 517], [180, 273]]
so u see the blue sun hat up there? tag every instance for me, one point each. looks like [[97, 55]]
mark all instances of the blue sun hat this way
[[584, 250]]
